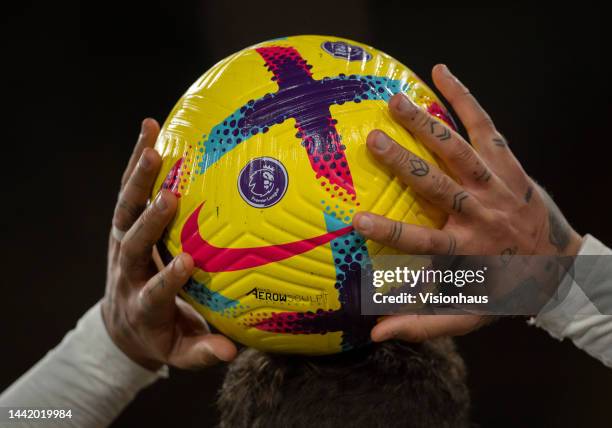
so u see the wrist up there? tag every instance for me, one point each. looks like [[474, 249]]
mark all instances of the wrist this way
[[124, 344], [574, 244]]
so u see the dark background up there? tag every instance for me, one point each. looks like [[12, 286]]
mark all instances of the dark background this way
[[79, 80]]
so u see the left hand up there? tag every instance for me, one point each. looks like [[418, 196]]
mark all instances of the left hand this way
[[493, 206]]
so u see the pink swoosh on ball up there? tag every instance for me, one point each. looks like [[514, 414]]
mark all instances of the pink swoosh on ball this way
[[218, 259]]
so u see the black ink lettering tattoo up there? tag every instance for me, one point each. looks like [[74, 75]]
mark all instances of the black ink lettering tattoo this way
[[458, 201], [444, 133], [419, 167], [529, 194]]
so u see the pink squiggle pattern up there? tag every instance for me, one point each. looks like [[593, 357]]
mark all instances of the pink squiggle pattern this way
[[173, 179], [438, 111], [217, 259]]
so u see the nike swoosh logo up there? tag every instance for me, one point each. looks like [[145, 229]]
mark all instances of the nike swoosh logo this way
[[217, 259]]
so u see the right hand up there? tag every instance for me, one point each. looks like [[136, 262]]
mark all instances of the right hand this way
[[141, 310], [494, 208]]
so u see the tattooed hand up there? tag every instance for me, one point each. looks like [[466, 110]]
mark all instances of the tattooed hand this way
[[141, 312], [493, 206]]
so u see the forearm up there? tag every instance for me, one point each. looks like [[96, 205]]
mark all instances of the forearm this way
[[86, 373]]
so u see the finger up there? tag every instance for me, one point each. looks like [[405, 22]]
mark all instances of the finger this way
[[137, 245], [475, 119], [460, 158], [158, 294], [418, 328], [427, 180], [407, 238], [490, 144], [149, 131], [198, 352], [134, 196]]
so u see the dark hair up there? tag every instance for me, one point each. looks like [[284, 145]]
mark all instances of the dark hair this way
[[391, 384]]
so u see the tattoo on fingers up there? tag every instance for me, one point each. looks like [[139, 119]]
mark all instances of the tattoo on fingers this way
[[438, 130], [159, 284], [418, 167], [396, 232], [162, 282], [458, 200], [500, 142], [529, 194], [485, 175]]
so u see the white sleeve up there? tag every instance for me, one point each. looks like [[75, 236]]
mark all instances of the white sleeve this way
[[578, 316], [86, 373]]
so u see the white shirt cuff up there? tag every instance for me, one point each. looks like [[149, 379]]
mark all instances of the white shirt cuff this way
[[575, 316]]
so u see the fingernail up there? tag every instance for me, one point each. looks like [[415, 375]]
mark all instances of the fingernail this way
[[160, 203], [381, 142], [446, 71], [379, 337], [143, 126], [144, 161], [364, 223], [179, 265], [405, 104]]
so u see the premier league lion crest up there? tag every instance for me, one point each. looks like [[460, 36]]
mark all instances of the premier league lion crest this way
[[262, 182]]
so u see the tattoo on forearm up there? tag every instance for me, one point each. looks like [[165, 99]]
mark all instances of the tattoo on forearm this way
[[458, 201], [529, 194], [507, 254], [396, 232], [558, 233], [500, 142], [452, 245], [444, 134], [419, 167]]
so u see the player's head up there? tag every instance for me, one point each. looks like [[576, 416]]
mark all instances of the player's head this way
[[383, 385]]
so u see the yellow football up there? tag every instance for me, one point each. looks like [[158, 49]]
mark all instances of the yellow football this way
[[266, 152]]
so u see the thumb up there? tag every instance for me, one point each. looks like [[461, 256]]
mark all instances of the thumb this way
[[418, 328], [198, 352]]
